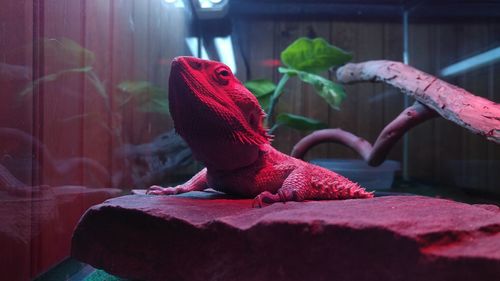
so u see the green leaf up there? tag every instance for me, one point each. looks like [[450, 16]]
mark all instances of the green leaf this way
[[155, 106], [135, 87], [80, 116], [299, 122], [313, 55], [332, 93], [260, 87], [150, 98], [66, 52], [52, 77]]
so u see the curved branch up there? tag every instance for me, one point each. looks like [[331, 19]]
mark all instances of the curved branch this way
[[59, 167], [360, 145], [478, 115], [376, 155], [409, 118], [7, 180]]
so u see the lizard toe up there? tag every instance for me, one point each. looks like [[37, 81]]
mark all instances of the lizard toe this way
[[265, 198], [289, 195]]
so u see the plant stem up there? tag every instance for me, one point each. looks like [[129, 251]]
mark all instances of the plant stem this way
[[99, 86], [274, 99], [273, 128]]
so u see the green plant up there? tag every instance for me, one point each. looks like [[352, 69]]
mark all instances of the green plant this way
[[65, 57], [156, 101], [66, 62], [305, 59]]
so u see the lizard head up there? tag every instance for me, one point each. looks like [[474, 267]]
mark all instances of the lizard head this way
[[214, 112]]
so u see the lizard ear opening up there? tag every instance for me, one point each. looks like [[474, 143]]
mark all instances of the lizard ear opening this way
[[252, 120], [256, 121]]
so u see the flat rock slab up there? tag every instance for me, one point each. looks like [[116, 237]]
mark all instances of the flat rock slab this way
[[202, 238]]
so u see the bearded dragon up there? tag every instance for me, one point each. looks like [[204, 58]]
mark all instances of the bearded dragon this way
[[222, 123]]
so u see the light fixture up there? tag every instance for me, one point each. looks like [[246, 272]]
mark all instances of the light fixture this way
[[473, 62], [192, 43], [224, 47], [207, 4], [175, 3], [210, 9]]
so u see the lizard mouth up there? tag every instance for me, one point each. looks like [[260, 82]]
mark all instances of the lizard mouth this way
[[194, 109]]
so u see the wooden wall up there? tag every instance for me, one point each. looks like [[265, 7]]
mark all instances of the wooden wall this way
[[440, 152], [130, 40]]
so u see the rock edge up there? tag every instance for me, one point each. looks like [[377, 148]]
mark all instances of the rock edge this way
[[196, 238]]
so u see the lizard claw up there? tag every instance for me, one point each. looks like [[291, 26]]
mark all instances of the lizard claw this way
[[257, 202], [264, 199], [159, 190], [267, 198]]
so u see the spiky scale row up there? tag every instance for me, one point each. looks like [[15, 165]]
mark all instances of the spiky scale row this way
[[331, 185], [309, 182], [334, 186]]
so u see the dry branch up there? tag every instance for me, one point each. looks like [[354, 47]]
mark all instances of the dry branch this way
[[478, 115], [358, 144], [376, 155], [434, 96], [409, 118]]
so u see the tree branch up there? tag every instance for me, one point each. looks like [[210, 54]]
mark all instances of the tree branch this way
[[409, 118], [376, 155], [360, 145], [478, 115], [434, 97]]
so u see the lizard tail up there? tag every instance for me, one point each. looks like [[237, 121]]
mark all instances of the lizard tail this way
[[352, 190], [341, 188], [359, 192]]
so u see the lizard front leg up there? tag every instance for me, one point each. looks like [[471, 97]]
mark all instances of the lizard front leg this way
[[197, 182]]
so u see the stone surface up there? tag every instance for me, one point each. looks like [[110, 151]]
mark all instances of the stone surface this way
[[200, 238]]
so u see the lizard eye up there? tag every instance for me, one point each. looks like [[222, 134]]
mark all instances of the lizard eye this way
[[222, 75]]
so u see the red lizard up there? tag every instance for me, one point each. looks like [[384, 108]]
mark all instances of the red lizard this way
[[222, 123]]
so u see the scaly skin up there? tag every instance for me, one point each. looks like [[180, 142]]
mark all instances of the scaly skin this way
[[222, 123]]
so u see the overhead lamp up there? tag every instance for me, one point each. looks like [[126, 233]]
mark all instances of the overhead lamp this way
[[208, 4], [471, 63], [225, 51], [192, 43], [175, 3], [210, 9]]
